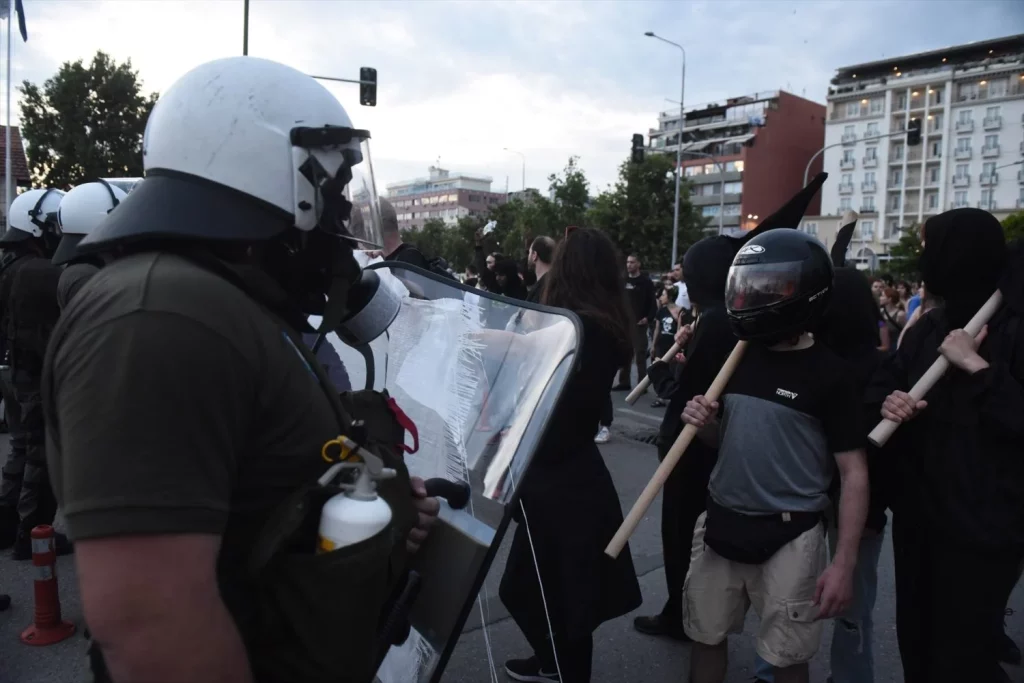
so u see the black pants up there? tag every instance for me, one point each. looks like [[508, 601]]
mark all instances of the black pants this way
[[575, 658], [949, 604], [683, 500], [639, 356], [607, 413], [26, 477]]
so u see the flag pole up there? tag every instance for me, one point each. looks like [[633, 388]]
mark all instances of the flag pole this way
[[8, 189]]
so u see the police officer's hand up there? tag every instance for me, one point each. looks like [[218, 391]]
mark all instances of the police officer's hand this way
[[699, 412], [427, 509], [900, 406]]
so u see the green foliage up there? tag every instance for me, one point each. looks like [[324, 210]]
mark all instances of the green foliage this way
[[637, 213], [454, 243], [905, 255], [571, 192], [1013, 226], [85, 122]]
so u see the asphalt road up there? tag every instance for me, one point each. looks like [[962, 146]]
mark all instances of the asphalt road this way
[[621, 655]]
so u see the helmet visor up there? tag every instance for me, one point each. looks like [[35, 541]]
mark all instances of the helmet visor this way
[[757, 285], [364, 224]]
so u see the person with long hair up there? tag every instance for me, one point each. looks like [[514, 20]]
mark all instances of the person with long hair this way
[[570, 508]]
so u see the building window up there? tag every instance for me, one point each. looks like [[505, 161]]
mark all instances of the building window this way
[[732, 209], [997, 88], [901, 101], [869, 177], [968, 91], [992, 113], [847, 133], [867, 228], [934, 150], [991, 141], [931, 200], [962, 144], [877, 105], [869, 203], [871, 153], [691, 171], [847, 180], [709, 169], [892, 229], [738, 165], [853, 108], [988, 168], [872, 131], [961, 170], [810, 228], [711, 210], [964, 116], [844, 204], [847, 157], [960, 198], [897, 151], [735, 187], [897, 177], [987, 196], [936, 94], [933, 174], [894, 202], [935, 122]]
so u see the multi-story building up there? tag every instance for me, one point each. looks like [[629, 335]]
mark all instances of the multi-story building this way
[[441, 195], [753, 148], [970, 101]]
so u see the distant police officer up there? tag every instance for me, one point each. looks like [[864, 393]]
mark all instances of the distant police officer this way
[[81, 210], [28, 296], [189, 425]]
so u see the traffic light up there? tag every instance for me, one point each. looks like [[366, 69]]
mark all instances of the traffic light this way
[[638, 148], [368, 86], [914, 132]]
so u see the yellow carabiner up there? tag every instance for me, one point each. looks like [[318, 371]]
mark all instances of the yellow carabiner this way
[[343, 450]]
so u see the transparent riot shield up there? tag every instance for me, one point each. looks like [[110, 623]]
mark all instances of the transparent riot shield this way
[[479, 375]]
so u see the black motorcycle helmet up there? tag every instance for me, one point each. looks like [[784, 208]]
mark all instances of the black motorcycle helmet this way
[[779, 285]]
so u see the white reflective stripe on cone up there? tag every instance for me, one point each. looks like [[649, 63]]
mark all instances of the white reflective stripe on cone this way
[[42, 545]]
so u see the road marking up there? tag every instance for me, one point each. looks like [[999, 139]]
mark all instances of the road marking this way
[[637, 413]]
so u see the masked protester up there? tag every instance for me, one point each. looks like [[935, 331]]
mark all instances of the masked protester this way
[[685, 493], [571, 507], [188, 423], [958, 522], [81, 210], [787, 419], [28, 296]]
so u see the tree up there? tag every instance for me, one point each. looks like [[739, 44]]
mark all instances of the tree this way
[[905, 255], [1013, 226], [85, 122], [638, 212], [571, 193]]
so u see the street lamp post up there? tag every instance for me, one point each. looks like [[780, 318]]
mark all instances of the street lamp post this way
[[679, 147], [245, 28], [721, 192], [523, 156]]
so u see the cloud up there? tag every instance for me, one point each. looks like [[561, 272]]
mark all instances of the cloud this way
[[462, 80]]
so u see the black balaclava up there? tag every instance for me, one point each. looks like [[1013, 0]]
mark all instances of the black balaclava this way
[[963, 260], [850, 324], [706, 269]]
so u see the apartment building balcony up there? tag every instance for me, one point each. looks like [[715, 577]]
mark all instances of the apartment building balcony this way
[[989, 179], [849, 138], [871, 134], [962, 154], [846, 164], [959, 205], [965, 126], [869, 162], [990, 205], [870, 186], [992, 122], [845, 188], [896, 159], [1020, 176], [868, 208], [990, 152], [914, 155], [961, 181]]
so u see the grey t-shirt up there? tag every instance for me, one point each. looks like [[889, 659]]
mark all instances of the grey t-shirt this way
[[785, 415], [72, 279]]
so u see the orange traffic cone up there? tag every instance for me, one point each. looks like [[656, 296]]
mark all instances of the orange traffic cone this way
[[48, 627]]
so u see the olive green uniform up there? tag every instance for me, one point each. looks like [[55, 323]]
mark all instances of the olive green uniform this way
[[175, 403]]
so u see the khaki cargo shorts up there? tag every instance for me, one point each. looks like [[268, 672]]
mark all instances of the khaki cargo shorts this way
[[718, 592]]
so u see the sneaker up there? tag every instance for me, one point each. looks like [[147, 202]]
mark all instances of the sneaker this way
[[529, 670], [603, 435], [658, 403], [658, 625]]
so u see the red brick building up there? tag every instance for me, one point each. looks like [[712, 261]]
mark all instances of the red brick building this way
[[755, 148]]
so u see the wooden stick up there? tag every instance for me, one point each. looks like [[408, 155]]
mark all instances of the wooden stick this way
[[645, 381], [657, 481], [885, 429]]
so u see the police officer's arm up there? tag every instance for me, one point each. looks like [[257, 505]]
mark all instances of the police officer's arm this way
[[149, 419]]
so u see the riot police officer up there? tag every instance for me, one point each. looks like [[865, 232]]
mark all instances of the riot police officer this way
[[28, 296], [189, 424], [81, 210]]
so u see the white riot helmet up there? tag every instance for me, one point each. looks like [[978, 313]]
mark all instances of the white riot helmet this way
[[247, 150], [81, 210], [33, 214]]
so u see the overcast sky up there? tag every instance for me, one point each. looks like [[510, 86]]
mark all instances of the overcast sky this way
[[462, 80]]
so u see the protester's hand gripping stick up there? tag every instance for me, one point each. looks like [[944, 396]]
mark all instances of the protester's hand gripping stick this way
[[885, 429], [645, 381], [650, 491]]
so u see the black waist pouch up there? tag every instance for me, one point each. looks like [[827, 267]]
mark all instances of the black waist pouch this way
[[753, 539]]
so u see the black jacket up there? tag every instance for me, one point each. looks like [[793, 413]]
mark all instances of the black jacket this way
[[640, 296]]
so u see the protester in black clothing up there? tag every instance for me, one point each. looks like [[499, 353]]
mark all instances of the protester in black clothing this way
[[472, 276], [683, 498], [642, 307], [506, 276], [542, 251], [568, 497], [958, 512], [394, 248]]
